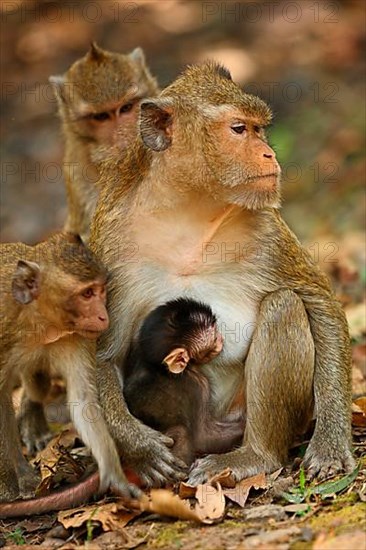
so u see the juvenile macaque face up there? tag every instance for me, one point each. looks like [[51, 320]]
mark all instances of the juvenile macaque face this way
[[100, 94], [65, 292], [85, 309], [109, 124]]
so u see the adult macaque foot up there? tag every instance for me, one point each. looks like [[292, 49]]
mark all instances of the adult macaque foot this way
[[242, 462]]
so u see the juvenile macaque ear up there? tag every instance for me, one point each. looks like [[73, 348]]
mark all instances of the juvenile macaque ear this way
[[156, 124], [96, 53], [25, 282], [177, 360], [137, 55], [58, 85]]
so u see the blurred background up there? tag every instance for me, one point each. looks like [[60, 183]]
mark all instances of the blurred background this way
[[303, 57]]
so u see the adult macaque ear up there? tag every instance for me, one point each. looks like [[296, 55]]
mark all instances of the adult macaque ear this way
[[25, 282], [58, 85], [156, 121], [73, 238], [177, 360]]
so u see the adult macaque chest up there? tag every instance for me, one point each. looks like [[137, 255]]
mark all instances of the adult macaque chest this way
[[197, 248], [191, 237]]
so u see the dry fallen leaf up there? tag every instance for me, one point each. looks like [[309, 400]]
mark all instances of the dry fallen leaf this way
[[57, 463], [208, 508], [237, 492], [224, 478], [359, 412], [187, 491], [358, 419], [361, 403], [240, 492], [211, 502], [166, 503], [112, 516]]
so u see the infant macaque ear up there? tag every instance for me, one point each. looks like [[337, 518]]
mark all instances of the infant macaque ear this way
[[177, 360], [25, 282]]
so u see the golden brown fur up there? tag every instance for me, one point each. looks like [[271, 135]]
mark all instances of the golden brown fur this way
[[52, 309], [98, 99], [195, 202]]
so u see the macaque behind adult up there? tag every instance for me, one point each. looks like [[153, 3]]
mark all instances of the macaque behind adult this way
[[164, 385], [98, 99], [52, 306], [198, 194]]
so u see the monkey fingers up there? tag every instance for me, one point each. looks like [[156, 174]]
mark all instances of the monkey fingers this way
[[126, 490], [242, 462], [151, 459], [160, 474], [161, 470], [327, 463]]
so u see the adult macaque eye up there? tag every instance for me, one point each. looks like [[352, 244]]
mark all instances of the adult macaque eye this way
[[238, 128], [100, 117], [87, 293], [126, 108]]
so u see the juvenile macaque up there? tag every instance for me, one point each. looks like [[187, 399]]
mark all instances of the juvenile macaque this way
[[198, 195], [164, 385], [52, 310], [98, 99]]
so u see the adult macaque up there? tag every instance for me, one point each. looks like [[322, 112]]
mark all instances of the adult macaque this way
[[53, 309], [198, 196], [98, 99], [164, 385]]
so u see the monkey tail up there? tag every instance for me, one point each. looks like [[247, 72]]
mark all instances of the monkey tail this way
[[69, 497]]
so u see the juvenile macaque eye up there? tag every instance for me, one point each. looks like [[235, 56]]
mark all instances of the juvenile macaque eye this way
[[88, 293], [238, 128], [126, 108], [100, 117]]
